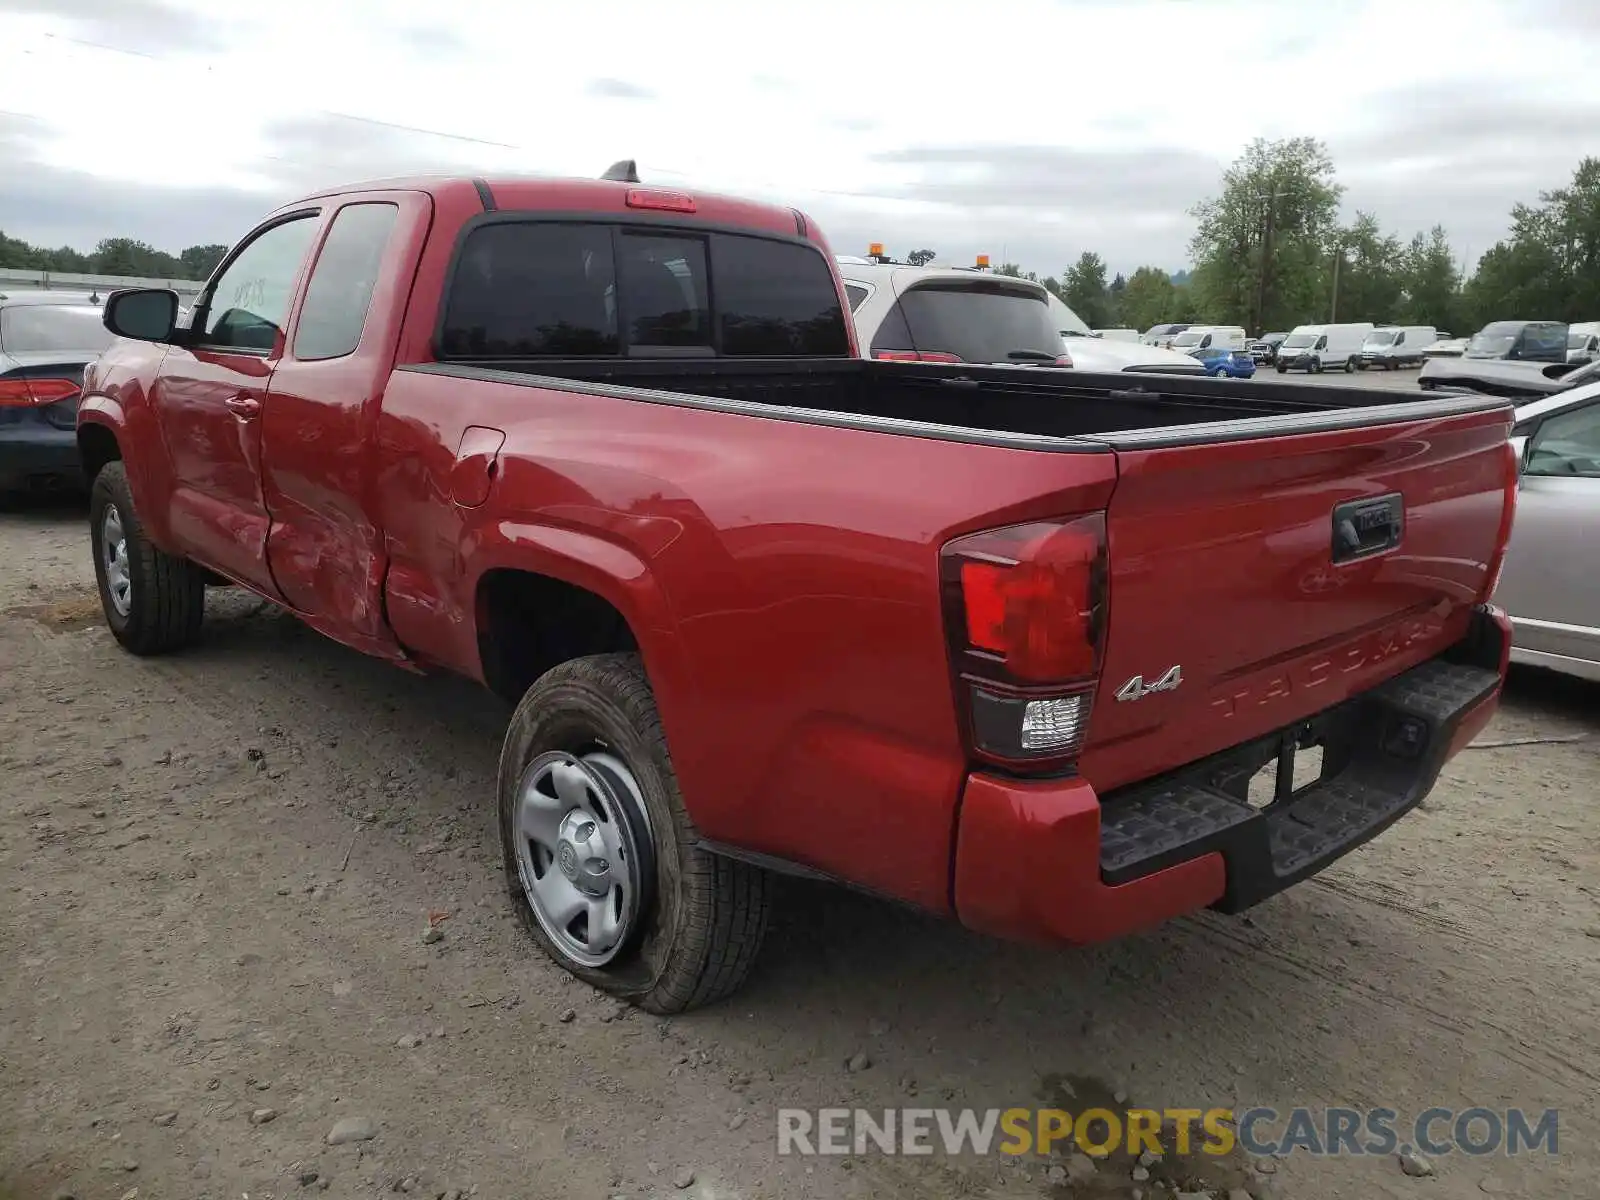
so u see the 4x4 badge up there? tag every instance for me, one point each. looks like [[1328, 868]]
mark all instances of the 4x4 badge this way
[[1137, 689]]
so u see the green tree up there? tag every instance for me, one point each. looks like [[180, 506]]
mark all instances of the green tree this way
[[1114, 294], [1260, 246], [1549, 266], [199, 261], [1083, 287], [1369, 283], [1148, 299], [1432, 283]]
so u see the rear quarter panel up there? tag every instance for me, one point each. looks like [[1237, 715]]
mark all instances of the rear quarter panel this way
[[780, 577]]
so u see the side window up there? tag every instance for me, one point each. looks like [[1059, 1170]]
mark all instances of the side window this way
[[1205, 342], [854, 293], [250, 299], [1322, 342], [664, 297], [893, 333], [340, 292], [528, 289], [776, 298], [1567, 445], [1400, 338]]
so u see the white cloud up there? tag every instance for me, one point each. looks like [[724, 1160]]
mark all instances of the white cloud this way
[[1037, 127]]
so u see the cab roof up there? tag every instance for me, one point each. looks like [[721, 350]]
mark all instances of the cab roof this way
[[547, 193]]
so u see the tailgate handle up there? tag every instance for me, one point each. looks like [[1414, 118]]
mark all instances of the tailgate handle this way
[[1365, 527]]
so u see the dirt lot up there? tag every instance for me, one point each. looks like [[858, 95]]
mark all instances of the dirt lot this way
[[217, 869]]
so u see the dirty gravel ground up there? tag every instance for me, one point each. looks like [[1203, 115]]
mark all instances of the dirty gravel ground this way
[[216, 870]]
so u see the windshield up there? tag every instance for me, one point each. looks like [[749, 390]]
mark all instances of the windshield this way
[[1299, 341], [1382, 337], [1577, 341], [1494, 341], [978, 322], [32, 328], [1189, 337]]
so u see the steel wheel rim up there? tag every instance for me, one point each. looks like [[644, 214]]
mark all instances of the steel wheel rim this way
[[114, 558], [582, 841]]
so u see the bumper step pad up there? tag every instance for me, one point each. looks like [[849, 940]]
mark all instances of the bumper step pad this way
[[1382, 751]]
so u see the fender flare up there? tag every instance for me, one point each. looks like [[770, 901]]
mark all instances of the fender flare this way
[[108, 412]]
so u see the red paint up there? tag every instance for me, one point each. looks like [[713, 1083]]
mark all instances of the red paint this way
[[1028, 866], [783, 579]]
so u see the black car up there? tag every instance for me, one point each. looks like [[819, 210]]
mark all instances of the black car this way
[[46, 340], [1265, 348]]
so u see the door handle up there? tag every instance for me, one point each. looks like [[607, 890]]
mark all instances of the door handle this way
[[243, 407]]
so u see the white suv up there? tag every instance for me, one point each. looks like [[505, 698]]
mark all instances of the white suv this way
[[964, 314]]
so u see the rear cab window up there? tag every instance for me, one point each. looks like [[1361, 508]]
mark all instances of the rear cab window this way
[[525, 287], [976, 321]]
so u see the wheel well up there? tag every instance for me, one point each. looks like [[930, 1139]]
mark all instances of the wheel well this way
[[97, 446], [528, 623]]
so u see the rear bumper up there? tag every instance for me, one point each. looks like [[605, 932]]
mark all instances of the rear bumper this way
[[34, 452], [1051, 860]]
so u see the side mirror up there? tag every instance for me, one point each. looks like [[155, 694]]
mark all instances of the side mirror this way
[[144, 314]]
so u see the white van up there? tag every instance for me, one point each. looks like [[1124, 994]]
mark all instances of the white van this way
[[1210, 339], [1321, 347], [1391, 346], [1583, 342]]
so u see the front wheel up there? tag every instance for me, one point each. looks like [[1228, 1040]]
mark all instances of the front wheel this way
[[153, 601], [602, 861], [1349, 366]]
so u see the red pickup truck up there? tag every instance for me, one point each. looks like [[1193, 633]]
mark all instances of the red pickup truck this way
[[1006, 643]]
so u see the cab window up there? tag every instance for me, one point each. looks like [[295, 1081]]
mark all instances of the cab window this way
[[1567, 445], [246, 307]]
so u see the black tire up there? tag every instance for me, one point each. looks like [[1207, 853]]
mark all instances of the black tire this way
[[1349, 366], [167, 594], [699, 934], [1282, 370]]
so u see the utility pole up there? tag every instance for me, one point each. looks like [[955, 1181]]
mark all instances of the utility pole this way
[[1338, 261]]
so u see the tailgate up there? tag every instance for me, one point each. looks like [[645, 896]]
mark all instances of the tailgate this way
[[1265, 579]]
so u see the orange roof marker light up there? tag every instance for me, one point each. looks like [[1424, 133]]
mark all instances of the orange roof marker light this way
[[875, 250], [983, 262]]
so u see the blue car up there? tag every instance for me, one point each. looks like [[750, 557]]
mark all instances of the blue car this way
[[46, 340], [1234, 364]]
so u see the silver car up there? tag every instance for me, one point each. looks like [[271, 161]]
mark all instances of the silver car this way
[[1551, 581]]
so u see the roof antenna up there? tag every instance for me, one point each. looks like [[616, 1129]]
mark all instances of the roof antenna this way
[[623, 171]]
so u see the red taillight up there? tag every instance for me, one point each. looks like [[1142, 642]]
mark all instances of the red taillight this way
[[33, 393], [937, 356], [1025, 607], [1063, 359], [664, 201]]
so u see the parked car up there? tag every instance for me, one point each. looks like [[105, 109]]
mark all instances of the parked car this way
[[1390, 347], [1317, 348], [1090, 353], [1583, 343], [1548, 582], [1524, 341], [1006, 644], [1161, 335], [1206, 338], [1445, 347], [1219, 362], [46, 339], [1265, 348], [1117, 335], [1515, 380]]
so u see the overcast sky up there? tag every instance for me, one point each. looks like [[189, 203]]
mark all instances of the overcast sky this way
[[1028, 129]]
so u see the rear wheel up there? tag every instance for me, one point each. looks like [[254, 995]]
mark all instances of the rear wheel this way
[[153, 601], [603, 864]]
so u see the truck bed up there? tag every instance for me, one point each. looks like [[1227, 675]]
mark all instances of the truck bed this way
[[1014, 406]]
